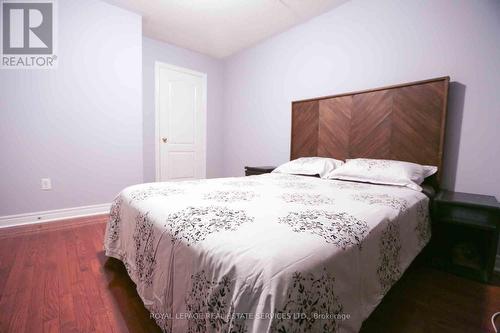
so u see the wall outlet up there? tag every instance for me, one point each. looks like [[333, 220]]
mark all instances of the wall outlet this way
[[46, 184]]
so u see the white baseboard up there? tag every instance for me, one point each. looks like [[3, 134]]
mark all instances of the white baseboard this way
[[53, 215], [497, 264]]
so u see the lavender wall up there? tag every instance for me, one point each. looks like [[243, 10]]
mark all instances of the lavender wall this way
[[364, 44], [80, 124], [158, 51]]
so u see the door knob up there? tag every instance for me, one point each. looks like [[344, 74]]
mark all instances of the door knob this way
[[164, 140]]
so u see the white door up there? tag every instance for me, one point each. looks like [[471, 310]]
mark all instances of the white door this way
[[180, 123]]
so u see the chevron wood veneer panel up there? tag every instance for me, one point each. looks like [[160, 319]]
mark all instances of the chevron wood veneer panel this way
[[371, 125], [403, 122], [305, 122], [334, 127], [417, 122]]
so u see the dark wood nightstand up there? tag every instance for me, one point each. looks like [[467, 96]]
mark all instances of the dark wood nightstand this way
[[258, 170], [465, 234]]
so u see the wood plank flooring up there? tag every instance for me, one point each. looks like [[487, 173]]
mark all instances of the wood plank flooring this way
[[55, 278]]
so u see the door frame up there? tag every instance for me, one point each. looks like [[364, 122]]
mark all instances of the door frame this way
[[203, 76]]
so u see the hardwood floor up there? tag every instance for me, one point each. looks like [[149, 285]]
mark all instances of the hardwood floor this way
[[429, 300], [56, 278], [59, 280]]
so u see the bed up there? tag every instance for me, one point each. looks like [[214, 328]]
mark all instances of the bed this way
[[279, 252]]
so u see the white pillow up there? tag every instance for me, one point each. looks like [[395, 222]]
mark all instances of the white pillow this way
[[386, 172], [321, 166]]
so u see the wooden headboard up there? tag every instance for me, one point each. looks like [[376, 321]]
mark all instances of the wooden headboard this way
[[404, 122]]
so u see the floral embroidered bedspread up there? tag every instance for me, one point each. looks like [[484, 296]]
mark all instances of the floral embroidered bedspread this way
[[267, 253]]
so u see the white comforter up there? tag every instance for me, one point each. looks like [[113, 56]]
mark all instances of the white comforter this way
[[268, 253]]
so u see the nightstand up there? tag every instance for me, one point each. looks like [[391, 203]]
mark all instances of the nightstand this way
[[465, 234], [258, 170]]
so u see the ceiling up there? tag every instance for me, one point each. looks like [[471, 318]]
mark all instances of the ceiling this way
[[220, 28]]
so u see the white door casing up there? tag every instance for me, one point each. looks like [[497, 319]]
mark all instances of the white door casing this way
[[181, 105]]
